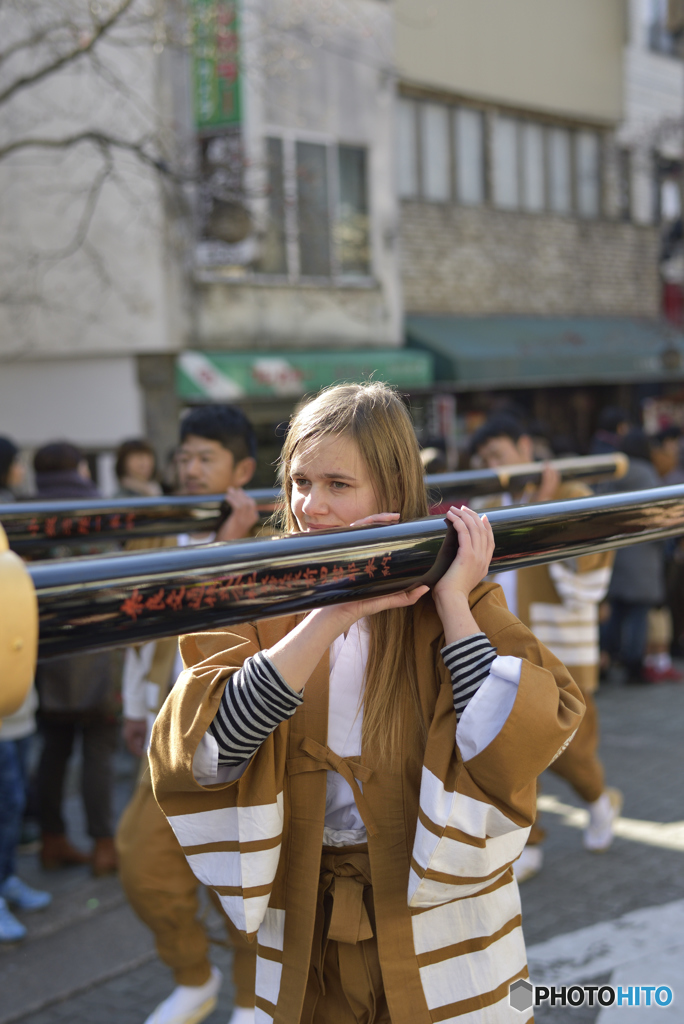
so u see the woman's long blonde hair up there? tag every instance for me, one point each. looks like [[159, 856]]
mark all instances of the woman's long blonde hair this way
[[375, 417]]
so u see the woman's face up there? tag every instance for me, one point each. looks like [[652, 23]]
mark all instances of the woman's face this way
[[140, 466], [16, 474], [331, 487]]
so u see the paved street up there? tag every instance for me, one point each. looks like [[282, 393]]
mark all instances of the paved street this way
[[616, 917]]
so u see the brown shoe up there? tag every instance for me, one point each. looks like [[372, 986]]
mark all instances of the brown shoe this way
[[105, 860], [58, 852]]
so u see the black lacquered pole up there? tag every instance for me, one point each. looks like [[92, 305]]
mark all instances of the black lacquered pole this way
[[474, 483], [35, 525], [107, 601]]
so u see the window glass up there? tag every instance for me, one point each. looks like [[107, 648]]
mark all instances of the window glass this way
[[407, 174], [273, 253], [313, 210], [664, 23], [435, 151], [469, 144], [505, 163], [351, 229], [560, 190], [588, 174], [533, 167]]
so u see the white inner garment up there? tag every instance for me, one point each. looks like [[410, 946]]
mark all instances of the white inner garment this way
[[348, 657]]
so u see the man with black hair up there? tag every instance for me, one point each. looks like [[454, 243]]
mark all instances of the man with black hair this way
[[638, 631], [559, 603], [613, 426], [217, 455]]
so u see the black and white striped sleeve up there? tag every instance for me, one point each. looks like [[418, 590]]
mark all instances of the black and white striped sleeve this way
[[469, 661], [255, 701]]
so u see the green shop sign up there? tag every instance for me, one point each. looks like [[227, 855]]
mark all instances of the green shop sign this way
[[216, 67], [225, 376]]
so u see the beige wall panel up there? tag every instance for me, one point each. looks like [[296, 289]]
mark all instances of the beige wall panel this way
[[240, 316], [560, 56]]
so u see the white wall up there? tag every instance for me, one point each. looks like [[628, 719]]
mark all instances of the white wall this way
[[64, 290], [95, 402], [654, 108]]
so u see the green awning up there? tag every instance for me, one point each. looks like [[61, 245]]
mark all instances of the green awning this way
[[226, 376], [517, 351]]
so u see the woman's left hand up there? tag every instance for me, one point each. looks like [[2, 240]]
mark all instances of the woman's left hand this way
[[378, 519], [475, 550]]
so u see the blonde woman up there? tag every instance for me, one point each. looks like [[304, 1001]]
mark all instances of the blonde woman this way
[[356, 783]]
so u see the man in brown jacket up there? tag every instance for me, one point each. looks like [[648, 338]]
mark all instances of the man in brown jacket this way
[[217, 454], [559, 603]]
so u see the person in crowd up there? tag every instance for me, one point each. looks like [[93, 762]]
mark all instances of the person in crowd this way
[[637, 586], [613, 426], [78, 696], [665, 451], [136, 468], [12, 470], [217, 454], [15, 738], [658, 667], [433, 459], [666, 454], [559, 603], [355, 783]]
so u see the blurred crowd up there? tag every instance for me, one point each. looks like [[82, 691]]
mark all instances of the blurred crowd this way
[[79, 702]]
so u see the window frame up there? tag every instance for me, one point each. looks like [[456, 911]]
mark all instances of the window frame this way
[[293, 274], [489, 115]]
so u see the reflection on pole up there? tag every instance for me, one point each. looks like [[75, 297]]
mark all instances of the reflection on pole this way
[[35, 526], [98, 602]]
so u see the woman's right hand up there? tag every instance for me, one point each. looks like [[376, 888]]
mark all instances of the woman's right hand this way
[[356, 610], [372, 605], [298, 653]]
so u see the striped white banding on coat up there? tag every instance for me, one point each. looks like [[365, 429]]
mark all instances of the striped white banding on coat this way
[[269, 964], [241, 870], [458, 833], [254, 703], [580, 588], [571, 633], [469, 661]]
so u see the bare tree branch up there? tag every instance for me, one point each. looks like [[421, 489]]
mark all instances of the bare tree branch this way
[[35, 40], [83, 226], [96, 138], [101, 29]]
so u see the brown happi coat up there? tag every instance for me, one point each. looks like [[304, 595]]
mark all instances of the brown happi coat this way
[[442, 834]]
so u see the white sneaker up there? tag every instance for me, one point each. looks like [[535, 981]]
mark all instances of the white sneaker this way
[[602, 814], [188, 1004], [242, 1015], [529, 863]]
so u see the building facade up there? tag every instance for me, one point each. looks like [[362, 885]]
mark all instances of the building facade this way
[[259, 225], [525, 170], [252, 198], [508, 167]]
